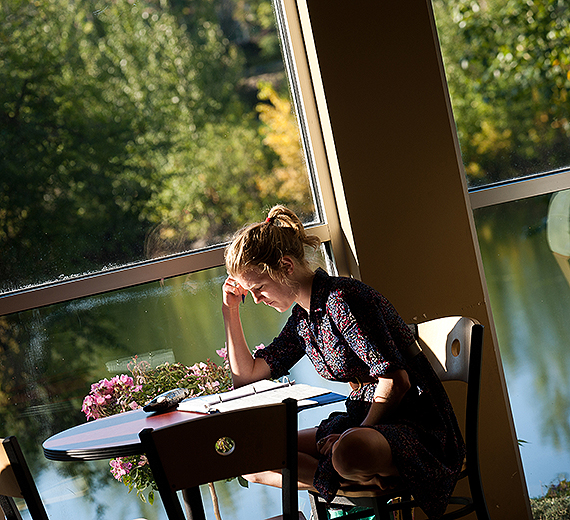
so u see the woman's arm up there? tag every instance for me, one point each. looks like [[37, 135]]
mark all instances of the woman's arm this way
[[390, 390], [244, 367], [391, 386]]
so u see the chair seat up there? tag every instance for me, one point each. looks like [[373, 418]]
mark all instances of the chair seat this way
[[359, 491]]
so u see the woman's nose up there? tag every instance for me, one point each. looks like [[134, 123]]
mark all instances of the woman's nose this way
[[256, 297]]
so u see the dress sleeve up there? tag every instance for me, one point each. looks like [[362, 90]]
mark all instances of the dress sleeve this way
[[372, 329], [284, 351]]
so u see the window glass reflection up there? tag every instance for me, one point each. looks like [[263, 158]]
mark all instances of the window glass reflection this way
[[524, 245], [51, 356], [135, 130], [507, 68]]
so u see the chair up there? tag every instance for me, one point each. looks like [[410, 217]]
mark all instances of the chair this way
[[453, 345], [16, 481], [186, 455]]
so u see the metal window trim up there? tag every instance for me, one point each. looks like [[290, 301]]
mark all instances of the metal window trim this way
[[309, 98], [518, 189]]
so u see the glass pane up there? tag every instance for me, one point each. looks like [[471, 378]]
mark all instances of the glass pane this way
[[51, 356], [507, 65], [137, 130], [526, 251]]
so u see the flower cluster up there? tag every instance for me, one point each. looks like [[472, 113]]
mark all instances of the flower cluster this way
[[111, 397], [123, 393]]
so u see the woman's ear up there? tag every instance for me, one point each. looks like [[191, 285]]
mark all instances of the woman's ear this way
[[288, 265]]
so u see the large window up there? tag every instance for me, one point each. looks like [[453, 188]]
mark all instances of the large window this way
[[529, 290], [508, 69], [52, 355], [136, 138]]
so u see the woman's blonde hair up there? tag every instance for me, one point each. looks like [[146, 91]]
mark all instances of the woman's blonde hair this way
[[263, 245]]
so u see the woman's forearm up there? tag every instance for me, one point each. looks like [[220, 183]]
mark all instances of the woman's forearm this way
[[244, 367], [388, 394]]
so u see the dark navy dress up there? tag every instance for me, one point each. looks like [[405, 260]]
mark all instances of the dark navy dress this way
[[353, 331]]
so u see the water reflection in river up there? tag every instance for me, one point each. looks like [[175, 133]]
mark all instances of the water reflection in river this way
[[530, 299]]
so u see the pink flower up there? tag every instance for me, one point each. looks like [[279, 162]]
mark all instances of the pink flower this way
[[119, 468], [125, 380], [223, 353], [212, 385]]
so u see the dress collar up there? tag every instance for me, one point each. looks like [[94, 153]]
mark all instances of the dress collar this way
[[320, 291]]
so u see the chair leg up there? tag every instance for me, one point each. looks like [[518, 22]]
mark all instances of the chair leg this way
[[318, 508], [289, 491], [8, 506], [193, 504], [407, 510]]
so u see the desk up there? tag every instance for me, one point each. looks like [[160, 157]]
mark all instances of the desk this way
[[118, 435]]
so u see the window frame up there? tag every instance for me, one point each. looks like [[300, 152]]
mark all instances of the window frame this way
[[520, 188]]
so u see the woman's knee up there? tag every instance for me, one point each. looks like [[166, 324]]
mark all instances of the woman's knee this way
[[348, 451], [362, 451]]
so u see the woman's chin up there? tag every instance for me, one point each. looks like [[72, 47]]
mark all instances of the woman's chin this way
[[278, 307]]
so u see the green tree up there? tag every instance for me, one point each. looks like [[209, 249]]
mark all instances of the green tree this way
[[508, 68], [97, 103]]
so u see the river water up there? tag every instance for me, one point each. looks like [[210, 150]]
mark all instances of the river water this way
[[530, 300]]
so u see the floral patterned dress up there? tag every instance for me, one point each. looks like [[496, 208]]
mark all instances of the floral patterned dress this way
[[353, 331]]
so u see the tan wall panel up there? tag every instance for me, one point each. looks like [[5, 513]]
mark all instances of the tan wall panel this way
[[406, 195]]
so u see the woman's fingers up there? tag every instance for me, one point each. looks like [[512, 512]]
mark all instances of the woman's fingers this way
[[324, 445], [233, 292]]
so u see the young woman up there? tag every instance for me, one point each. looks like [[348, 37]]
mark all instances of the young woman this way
[[398, 425]]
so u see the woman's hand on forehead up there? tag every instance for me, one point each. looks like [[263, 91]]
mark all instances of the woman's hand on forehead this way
[[233, 292]]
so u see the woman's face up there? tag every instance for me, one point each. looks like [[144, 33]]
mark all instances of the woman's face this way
[[264, 289]]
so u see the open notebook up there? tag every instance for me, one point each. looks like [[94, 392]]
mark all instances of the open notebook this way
[[254, 394]]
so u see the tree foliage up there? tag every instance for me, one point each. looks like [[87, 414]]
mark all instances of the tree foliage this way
[[508, 69], [127, 130], [289, 179]]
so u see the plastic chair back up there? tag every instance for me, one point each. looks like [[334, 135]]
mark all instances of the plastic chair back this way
[[446, 342]]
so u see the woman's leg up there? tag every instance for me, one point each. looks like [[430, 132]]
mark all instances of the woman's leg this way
[[363, 455], [308, 460]]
